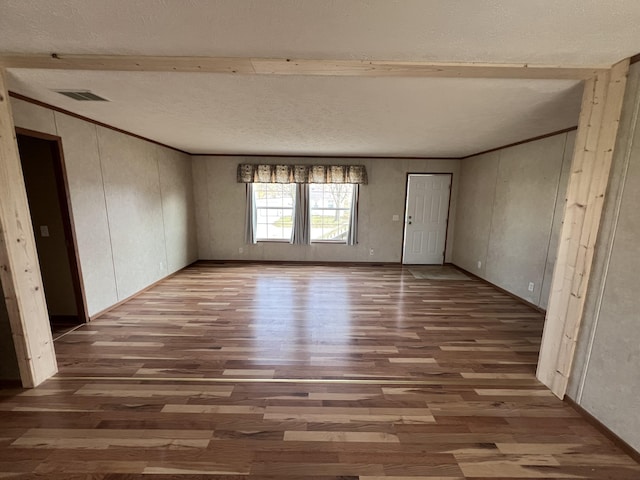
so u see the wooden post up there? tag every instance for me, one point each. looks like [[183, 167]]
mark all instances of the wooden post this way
[[593, 153], [19, 267]]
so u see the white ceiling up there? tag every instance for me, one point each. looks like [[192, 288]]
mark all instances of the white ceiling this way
[[215, 113], [305, 115], [535, 31]]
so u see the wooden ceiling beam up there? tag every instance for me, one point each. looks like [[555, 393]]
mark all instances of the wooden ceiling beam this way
[[290, 66]]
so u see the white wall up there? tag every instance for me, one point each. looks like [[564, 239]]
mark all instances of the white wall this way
[[220, 210], [509, 214], [605, 378], [131, 200]]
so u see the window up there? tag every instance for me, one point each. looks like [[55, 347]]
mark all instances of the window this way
[[302, 213], [330, 211], [274, 210]]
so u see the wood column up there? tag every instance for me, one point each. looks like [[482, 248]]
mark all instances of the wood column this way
[[19, 267], [593, 153]]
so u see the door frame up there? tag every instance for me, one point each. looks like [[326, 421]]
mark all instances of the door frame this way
[[64, 199], [404, 219]]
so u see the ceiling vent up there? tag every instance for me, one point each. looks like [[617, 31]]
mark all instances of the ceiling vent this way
[[82, 95]]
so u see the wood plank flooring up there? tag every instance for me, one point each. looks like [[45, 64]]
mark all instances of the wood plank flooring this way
[[239, 371]]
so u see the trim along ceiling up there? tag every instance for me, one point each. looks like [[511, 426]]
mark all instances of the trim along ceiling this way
[[382, 116]]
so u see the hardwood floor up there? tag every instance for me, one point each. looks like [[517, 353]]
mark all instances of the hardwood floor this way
[[292, 371]]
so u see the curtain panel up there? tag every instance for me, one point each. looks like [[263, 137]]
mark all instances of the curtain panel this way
[[352, 235], [301, 219], [251, 227], [256, 173]]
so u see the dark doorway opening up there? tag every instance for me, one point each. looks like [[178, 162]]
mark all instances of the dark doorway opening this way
[[47, 192]]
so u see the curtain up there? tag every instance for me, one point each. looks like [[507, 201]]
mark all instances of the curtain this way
[[250, 217], [352, 235], [257, 173], [301, 222]]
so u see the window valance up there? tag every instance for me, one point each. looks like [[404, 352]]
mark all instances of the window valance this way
[[256, 173]]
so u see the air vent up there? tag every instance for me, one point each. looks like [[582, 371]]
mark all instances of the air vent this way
[[82, 95]]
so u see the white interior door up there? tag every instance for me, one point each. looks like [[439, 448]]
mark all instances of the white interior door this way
[[425, 219]]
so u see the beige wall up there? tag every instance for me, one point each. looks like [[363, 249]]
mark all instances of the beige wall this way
[[131, 200], [475, 208], [509, 214], [220, 207], [605, 379]]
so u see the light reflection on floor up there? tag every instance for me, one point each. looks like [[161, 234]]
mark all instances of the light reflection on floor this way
[[279, 317]]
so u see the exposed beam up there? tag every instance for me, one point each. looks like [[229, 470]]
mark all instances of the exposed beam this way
[[19, 267], [289, 66], [590, 167]]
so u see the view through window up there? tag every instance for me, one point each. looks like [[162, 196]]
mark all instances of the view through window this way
[[274, 210], [329, 211]]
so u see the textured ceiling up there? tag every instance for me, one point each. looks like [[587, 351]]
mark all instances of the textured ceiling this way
[[297, 115], [535, 31], [217, 113]]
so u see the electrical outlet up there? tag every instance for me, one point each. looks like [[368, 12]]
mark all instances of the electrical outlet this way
[[371, 251], [240, 250], [396, 218], [479, 264], [531, 286], [44, 231]]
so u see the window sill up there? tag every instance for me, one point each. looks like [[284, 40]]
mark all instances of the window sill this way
[[313, 242]]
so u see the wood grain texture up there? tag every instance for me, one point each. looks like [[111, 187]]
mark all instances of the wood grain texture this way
[[590, 167], [142, 391], [298, 66], [19, 267]]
